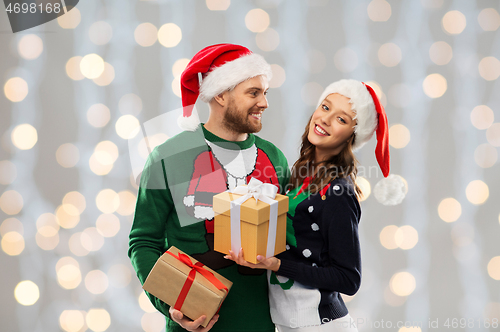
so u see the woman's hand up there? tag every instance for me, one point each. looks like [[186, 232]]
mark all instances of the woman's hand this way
[[271, 263]]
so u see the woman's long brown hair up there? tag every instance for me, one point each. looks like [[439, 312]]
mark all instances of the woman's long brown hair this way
[[342, 165]]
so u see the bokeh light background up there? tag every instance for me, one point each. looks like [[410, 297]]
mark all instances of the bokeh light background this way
[[75, 89]]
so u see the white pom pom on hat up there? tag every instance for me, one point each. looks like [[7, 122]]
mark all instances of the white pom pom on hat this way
[[390, 190], [370, 118]]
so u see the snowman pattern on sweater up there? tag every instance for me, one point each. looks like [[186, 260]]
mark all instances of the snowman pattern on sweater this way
[[220, 168]]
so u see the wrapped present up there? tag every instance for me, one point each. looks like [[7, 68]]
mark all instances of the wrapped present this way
[[187, 285], [251, 217]]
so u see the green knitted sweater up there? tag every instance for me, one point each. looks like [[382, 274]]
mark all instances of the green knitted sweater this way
[[163, 216]]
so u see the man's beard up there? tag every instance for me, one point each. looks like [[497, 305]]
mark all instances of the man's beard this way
[[237, 121]]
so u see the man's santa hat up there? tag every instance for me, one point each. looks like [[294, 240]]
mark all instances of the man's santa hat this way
[[222, 67], [371, 118]]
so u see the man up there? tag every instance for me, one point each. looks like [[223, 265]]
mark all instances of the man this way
[[181, 176]]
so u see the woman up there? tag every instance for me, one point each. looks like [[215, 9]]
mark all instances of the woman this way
[[323, 253]]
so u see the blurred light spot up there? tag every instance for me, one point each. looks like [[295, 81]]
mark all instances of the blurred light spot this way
[[119, 275], [399, 136], [346, 60], [365, 186], [454, 22], [147, 144], [126, 126], [145, 304], [15, 89], [485, 155], [493, 134], [489, 68], [130, 104], [67, 216], [388, 237], [146, 34], [8, 172], [268, 40], [389, 55], [107, 76], [482, 117], [108, 225], [96, 240], [156, 140], [257, 20], [378, 91], [66, 261], [47, 224], [78, 244], [494, 268], [24, 136], [69, 276], [107, 201], [92, 66], [98, 115], [169, 35], [153, 322], [11, 225], [96, 282], [13, 243], [71, 320], [11, 202], [315, 61], [98, 320], [176, 86], [279, 76], [100, 32], [30, 47], [400, 95], [392, 299], [310, 93], [106, 152], [477, 192], [73, 68], [127, 203], [26, 293], [449, 210], [76, 199], [462, 234], [441, 53], [489, 19], [179, 67], [402, 283], [97, 168], [47, 242], [435, 85], [67, 155], [406, 237], [218, 4], [431, 4], [379, 10], [70, 20]]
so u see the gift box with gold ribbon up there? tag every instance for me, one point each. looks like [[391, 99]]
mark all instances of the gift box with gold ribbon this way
[[251, 217], [187, 285]]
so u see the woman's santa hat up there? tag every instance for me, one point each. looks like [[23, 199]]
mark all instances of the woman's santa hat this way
[[222, 67], [371, 118]]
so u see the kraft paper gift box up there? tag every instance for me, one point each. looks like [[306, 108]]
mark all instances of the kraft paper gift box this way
[[254, 221], [170, 278]]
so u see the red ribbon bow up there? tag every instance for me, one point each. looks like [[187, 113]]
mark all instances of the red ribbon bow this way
[[198, 267]]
